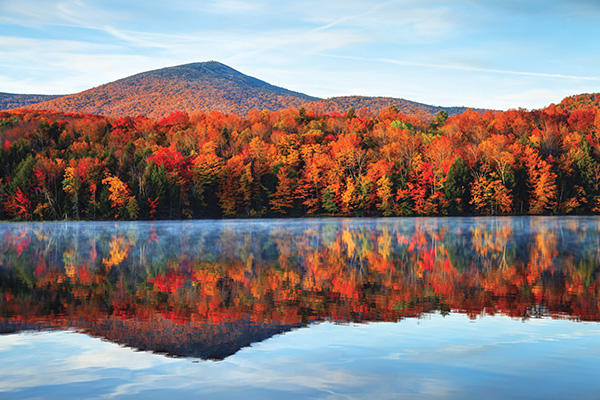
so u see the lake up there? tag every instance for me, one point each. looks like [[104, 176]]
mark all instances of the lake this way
[[447, 308]]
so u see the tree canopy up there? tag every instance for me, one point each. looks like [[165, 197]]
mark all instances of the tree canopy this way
[[295, 163]]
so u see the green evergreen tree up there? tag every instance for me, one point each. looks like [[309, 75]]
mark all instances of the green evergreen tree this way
[[456, 190]]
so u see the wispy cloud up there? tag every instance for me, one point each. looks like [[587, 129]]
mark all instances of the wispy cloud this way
[[232, 6], [138, 39], [559, 8], [64, 66], [356, 17], [487, 48], [392, 20], [467, 68], [38, 13]]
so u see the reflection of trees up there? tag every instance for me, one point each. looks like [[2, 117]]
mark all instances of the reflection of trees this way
[[295, 272]]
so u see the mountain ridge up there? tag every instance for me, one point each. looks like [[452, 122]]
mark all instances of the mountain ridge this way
[[194, 87], [204, 87], [10, 101], [376, 104], [579, 101]]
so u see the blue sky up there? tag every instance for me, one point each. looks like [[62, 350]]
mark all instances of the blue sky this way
[[495, 53]]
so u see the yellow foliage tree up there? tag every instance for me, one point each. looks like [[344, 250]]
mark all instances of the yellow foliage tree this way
[[119, 192]]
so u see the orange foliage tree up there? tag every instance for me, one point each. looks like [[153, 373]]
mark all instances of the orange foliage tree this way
[[299, 162]]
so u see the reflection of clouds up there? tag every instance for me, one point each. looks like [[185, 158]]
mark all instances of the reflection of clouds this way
[[325, 359], [35, 367], [7, 342], [41, 377], [111, 357], [276, 375], [435, 357], [65, 358], [143, 383], [272, 373]]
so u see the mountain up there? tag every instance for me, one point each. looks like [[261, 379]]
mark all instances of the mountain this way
[[212, 86], [9, 101], [202, 87], [579, 101], [376, 104], [207, 86]]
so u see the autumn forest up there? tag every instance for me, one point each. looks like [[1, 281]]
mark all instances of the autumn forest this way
[[299, 162]]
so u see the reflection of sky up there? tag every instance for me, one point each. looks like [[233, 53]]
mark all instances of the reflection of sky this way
[[434, 357]]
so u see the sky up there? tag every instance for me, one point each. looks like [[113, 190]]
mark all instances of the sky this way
[[497, 54]]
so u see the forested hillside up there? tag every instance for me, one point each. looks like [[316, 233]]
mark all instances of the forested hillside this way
[[203, 87], [196, 87], [297, 163], [10, 101], [378, 104], [580, 101]]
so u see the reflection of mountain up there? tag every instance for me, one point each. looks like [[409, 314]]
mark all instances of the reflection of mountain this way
[[161, 335], [206, 289]]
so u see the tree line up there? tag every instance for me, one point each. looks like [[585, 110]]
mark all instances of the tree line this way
[[296, 163]]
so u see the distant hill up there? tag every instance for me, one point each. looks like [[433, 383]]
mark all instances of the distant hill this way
[[206, 86], [377, 104], [9, 101], [212, 86], [580, 101], [202, 87]]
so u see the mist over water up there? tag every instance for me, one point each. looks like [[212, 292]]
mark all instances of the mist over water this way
[[462, 293]]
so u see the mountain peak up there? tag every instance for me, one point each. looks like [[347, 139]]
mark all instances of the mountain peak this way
[[202, 87], [192, 71], [194, 87], [211, 65]]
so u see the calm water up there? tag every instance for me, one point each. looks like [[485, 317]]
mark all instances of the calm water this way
[[356, 308]]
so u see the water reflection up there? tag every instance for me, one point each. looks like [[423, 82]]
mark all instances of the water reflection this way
[[207, 288]]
